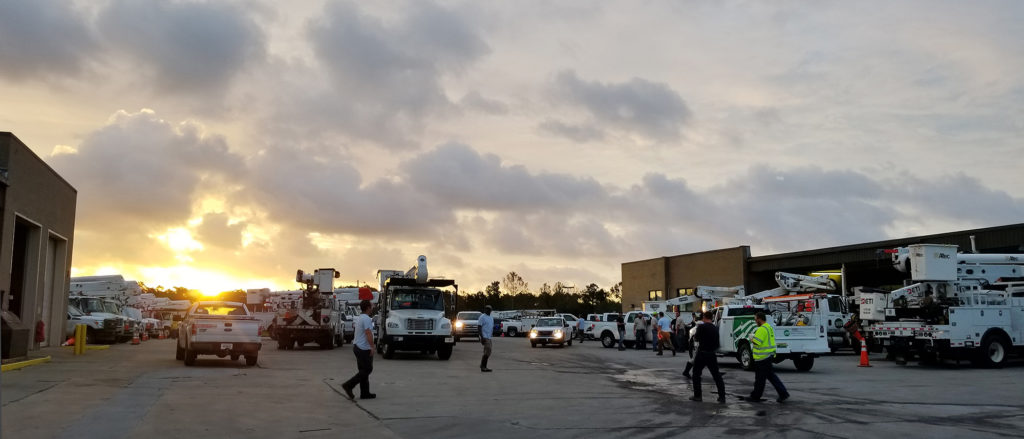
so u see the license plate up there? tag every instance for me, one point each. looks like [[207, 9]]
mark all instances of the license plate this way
[[399, 339], [449, 339], [225, 346]]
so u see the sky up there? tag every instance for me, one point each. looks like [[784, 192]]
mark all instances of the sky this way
[[223, 145]]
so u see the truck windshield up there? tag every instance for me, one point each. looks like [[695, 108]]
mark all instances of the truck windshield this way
[[91, 305], [75, 312], [220, 309], [110, 307], [550, 322], [417, 299], [468, 316]]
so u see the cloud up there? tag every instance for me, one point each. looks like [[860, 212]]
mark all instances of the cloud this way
[[577, 133], [388, 74], [641, 107], [459, 176], [44, 39], [475, 101], [215, 230], [193, 48]]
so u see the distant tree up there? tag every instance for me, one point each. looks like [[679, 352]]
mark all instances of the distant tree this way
[[513, 284]]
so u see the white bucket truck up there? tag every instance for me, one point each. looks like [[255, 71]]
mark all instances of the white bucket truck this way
[[412, 309]]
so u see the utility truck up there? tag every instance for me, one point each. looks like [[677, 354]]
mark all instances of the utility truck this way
[[526, 321], [608, 332], [412, 308], [955, 306], [308, 318]]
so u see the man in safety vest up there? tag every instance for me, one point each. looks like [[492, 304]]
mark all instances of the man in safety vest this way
[[762, 344]]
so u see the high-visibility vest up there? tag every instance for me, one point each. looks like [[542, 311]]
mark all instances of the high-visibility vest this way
[[763, 342]]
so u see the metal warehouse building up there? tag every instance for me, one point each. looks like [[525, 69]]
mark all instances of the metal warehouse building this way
[[864, 264], [37, 226]]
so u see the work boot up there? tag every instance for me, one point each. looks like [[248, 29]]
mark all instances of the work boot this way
[[782, 398], [721, 399], [348, 392], [696, 398]]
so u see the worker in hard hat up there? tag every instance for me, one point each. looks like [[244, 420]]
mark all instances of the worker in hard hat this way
[[762, 344]]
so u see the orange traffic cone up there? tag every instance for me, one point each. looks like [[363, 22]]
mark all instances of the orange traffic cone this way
[[145, 336], [135, 338], [161, 335], [864, 355], [70, 342]]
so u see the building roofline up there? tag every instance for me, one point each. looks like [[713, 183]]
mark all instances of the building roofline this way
[[687, 254], [47, 165]]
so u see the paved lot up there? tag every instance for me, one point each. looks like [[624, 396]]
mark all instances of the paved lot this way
[[583, 390]]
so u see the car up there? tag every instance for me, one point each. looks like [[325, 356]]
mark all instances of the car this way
[[551, 330], [467, 324]]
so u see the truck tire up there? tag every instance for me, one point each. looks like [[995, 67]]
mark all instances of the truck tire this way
[[283, 342], [512, 332], [250, 360], [803, 364], [444, 352], [190, 357], [746, 356], [389, 351], [993, 352], [179, 353], [569, 342], [234, 357], [607, 339]]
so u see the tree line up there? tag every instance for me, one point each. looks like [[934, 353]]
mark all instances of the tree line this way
[[513, 292]]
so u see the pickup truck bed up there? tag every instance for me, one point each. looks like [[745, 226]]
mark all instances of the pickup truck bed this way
[[220, 335]]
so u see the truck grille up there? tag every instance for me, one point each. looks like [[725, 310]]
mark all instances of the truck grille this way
[[111, 323], [419, 324], [544, 333]]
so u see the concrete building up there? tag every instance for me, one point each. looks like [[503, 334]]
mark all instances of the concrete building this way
[[864, 265], [37, 226]]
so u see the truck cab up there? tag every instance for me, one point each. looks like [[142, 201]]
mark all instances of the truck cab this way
[[97, 307], [412, 311]]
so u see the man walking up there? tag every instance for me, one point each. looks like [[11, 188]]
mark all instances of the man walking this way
[[486, 323], [363, 348], [665, 334], [763, 349], [640, 328], [620, 322], [707, 343], [580, 325], [690, 335]]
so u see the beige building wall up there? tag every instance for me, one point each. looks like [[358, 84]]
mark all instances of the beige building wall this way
[[643, 280], [37, 228]]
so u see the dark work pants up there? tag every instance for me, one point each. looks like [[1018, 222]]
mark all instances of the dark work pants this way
[[709, 360], [641, 340], [486, 343], [365, 364], [763, 371]]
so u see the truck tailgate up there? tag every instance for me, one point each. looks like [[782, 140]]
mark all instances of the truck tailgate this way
[[227, 330], [800, 339]]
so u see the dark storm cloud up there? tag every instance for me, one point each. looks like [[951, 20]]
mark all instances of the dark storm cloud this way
[[577, 133], [459, 176], [187, 47], [215, 231], [650, 109], [43, 39], [388, 74]]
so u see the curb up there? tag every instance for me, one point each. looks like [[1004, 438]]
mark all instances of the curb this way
[[26, 363]]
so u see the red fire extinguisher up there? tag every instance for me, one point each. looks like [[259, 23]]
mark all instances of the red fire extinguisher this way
[[40, 331]]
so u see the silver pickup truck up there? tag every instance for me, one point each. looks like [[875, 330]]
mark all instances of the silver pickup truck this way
[[219, 328]]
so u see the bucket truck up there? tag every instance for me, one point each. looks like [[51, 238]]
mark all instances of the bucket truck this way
[[308, 318], [412, 309], [955, 306]]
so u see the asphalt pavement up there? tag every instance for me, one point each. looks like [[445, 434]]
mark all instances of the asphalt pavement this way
[[583, 390]]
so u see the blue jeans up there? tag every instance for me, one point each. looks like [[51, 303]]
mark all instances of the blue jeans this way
[[622, 335]]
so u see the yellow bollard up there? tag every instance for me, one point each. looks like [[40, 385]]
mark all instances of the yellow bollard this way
[[80, 333]]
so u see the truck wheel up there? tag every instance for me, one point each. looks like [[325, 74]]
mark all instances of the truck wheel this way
[[190, 357], [607, 340], [444, 352], [179, 353], [389, 351], [250, 360], [993, 352], [569, 342], [339, 341], [746, 356], [512, 332], [803, 364], [234, 357], [283, 342]]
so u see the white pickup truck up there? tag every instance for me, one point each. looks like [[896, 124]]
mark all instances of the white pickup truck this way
[[800, 329], [219, 328]]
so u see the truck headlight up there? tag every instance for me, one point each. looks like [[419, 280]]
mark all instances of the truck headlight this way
[[533, 333], [447, 325], [558, 333], [458, 325], [393, 325]]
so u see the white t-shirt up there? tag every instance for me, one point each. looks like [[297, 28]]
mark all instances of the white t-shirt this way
[[363, 322]]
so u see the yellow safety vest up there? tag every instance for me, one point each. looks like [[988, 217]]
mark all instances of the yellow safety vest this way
[[763, 342]]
